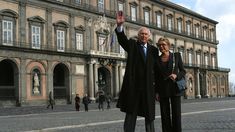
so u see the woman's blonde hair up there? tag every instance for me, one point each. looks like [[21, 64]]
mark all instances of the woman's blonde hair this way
[[162, 39]]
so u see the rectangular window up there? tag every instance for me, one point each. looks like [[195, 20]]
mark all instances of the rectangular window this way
[[212, 35], [7, 32], [206, 60], [190, 58], [79, 41], [146, 17], [36, 37], [204, 34], [60, 40], [197, 32], [213, 61], [182, 55], [120, 6], [169, 20], [133, 13], [188, 28], [159, 20], [78, 1], [101, 5], [179, 26], [102, 43], [198, 59], [60, 0]]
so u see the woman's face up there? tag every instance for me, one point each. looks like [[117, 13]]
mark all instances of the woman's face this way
[[163, 47]]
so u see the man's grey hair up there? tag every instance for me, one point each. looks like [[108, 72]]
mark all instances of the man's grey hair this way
[[142, 28]]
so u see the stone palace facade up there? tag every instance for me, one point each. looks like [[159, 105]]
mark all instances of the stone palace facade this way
[[69, 47]]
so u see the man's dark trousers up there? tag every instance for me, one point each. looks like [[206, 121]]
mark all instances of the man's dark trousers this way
[[130, 122]]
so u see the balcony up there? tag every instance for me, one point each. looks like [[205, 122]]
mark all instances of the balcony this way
[[50, 49], [206, 67]]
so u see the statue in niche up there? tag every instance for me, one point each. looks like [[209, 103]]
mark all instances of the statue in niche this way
[[36, 84], [190, 85]]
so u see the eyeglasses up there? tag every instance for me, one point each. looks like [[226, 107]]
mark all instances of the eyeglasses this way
[[159, 45]]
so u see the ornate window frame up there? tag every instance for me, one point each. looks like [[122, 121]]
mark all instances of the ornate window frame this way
[[159, 19], [60, 26], [79, 30], [11, 16], [36, 21]]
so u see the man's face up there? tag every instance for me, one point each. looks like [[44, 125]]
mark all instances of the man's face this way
[[143, 35]]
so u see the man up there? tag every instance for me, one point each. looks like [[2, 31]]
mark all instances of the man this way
[[50, 101], [137, 95], [101, 101], [86, 100]]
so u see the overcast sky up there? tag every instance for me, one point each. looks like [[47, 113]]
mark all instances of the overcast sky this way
[[222, 11]]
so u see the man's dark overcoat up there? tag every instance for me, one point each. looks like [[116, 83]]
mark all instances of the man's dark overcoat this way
[[138, 93]]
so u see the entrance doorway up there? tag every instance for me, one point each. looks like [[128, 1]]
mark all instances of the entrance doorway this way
[[61, 82]]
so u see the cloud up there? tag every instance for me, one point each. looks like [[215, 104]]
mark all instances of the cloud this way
[[222, 11]]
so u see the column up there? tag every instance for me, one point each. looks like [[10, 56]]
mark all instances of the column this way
[[96, 78], [49, 78], [49, 28], [90, 85], [22, 22], [116, 81], [120, 77], [198, 85], [72, 32], [207, 85]]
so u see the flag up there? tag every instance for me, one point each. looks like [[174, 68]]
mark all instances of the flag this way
[[112, 41]]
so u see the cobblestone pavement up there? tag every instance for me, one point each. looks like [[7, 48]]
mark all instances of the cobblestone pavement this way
[[198, 115], [70, 107]]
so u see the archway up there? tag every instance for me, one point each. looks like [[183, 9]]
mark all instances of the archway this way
[[61, 82], [9, 81], [104, 80]]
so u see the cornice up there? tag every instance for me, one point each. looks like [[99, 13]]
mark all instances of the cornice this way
[[183, 9]]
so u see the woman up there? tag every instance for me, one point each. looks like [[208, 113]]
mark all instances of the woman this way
[[77, 102], [168, 95]]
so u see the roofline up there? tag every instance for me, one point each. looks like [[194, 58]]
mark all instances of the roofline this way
[[183, 9]]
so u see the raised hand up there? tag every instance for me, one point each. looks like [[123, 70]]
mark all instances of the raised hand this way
[[120, 19]]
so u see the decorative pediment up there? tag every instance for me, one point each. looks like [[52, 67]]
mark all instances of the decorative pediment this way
[[61, 24], [9, 13], [188, 21], [80, 28], [159, 12], [102, 31], [169, 15], [205, 27], [147, 8], [180, 18], [197, 24], [133, 3], [37, 19]]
